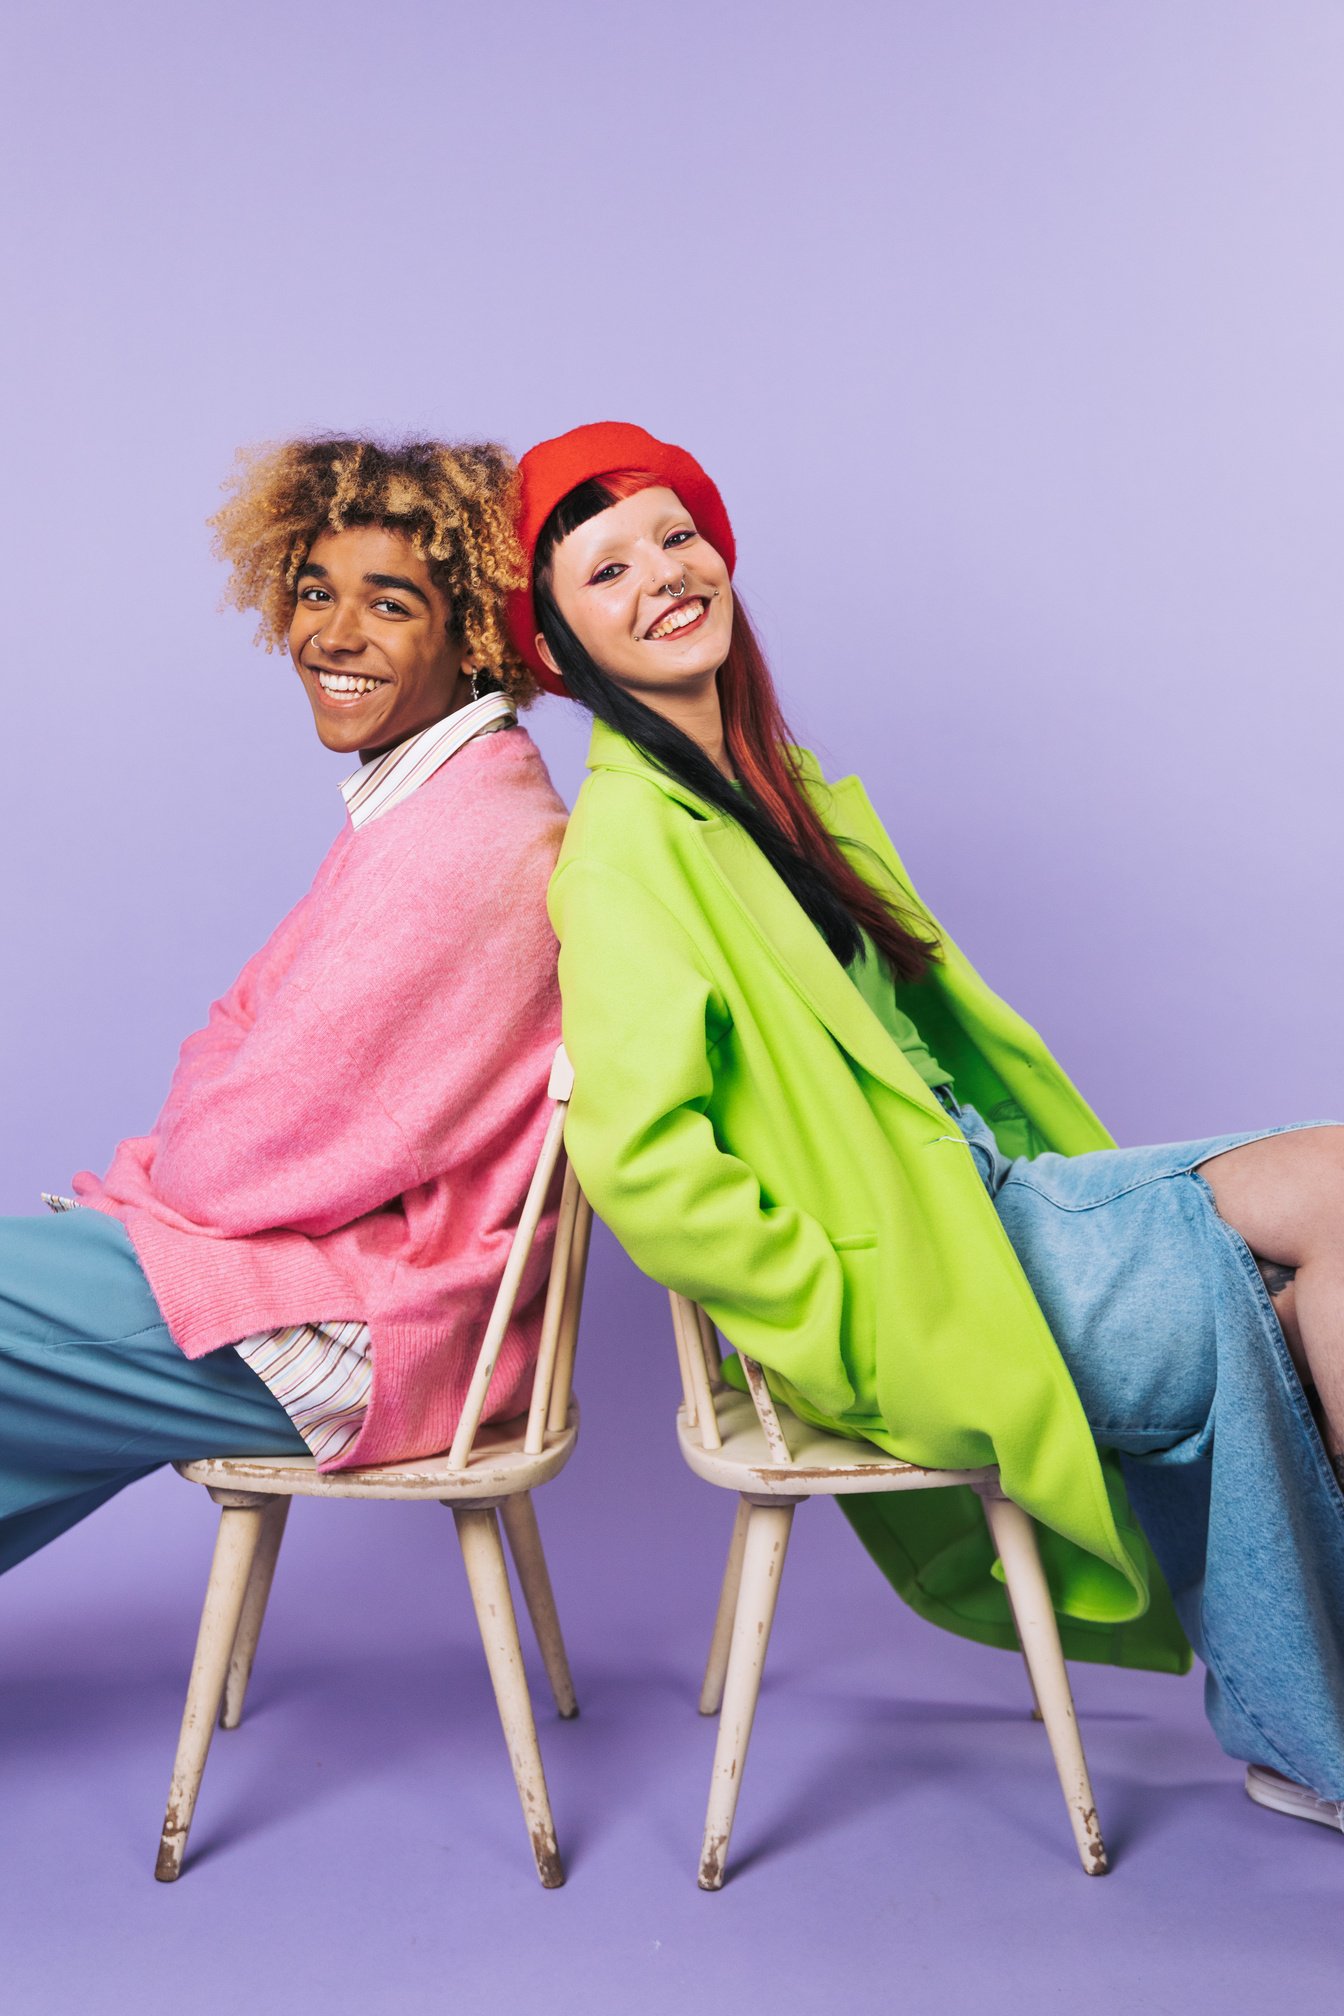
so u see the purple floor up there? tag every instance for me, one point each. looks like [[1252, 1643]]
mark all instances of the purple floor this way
[[901, 1840]]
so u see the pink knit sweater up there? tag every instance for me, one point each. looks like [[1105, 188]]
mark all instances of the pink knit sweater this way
[[351, 1135]]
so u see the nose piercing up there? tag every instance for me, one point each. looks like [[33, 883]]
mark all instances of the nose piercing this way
[[680, 589]]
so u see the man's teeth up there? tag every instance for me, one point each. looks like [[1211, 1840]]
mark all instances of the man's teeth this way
[[677, 619], [345, 682]]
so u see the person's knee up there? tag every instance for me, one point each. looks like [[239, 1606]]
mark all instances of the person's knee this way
[[1284, 1195]]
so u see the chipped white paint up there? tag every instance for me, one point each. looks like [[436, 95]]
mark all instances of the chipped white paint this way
[[820, 1465], [767, 1539], [488, 1580], [498, 1467], [1015, 1538], [738, 1441], [776, 1441], [240, 1526], [495, 1465]]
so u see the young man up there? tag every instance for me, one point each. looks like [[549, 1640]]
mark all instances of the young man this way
[[303, 1250]]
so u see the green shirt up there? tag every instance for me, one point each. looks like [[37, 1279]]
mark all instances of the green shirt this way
[[873, 977]]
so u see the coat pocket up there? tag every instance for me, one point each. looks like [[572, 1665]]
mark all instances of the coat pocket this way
[[858, 1257]]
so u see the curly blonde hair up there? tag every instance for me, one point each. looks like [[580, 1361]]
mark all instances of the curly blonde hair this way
[[454, 504]]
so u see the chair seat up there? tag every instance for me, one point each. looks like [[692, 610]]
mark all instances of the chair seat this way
[[823, 1465], [498, 1467]]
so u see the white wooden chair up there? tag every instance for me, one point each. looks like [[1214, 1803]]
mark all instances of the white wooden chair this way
[[487, 1470], [744, 1443]]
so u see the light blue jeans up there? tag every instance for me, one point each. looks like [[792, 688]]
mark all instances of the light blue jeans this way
[[93, 1391], [1166, 1326]]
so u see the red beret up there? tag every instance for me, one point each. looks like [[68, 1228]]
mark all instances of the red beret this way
[[552, 469]]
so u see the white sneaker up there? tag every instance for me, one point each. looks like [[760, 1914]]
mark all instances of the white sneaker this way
[[1285, 1795]]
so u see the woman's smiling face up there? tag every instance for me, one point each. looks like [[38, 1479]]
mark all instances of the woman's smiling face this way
[[617, 581], [371, 640]]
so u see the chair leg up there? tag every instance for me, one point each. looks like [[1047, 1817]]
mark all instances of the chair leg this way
[[488, 1579], [520, 1524], [254, 1612], [764, 1548], [1015, 1538], [240, 1526], [1036, 1714], [711, 1693]]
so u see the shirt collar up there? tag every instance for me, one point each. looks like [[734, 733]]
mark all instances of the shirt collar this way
[[384, 781]]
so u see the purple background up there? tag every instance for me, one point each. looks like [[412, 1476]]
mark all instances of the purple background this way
[[1013, 333]]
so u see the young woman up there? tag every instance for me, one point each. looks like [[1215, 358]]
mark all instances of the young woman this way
[[303, 1249], [798, 1104]]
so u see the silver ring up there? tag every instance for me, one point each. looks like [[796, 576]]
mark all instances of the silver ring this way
[[668, 589]]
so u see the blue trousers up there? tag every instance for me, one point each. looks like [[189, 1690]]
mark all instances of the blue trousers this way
[[93, 1391], [1162, 1318]]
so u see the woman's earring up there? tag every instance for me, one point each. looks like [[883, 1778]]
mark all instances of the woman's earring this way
[[482, 682]]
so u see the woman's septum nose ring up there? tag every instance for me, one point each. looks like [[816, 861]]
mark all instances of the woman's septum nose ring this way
[[676, 593]]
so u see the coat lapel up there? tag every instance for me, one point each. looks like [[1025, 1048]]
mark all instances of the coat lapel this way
[[792, 941], [783, 929]]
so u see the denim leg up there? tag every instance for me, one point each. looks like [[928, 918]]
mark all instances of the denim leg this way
[[1250, 1536], [93, 1391], [1161, 1316]]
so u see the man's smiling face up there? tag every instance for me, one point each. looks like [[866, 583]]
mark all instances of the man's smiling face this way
[[372, 641]]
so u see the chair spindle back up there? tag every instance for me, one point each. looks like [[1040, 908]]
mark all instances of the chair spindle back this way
[[564, 1289], [701, 1372]]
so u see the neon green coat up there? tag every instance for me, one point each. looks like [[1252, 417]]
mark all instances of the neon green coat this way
[[756, 1140]]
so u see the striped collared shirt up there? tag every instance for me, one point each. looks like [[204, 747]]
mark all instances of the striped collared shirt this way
[[322, 1372], [379, 785]]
